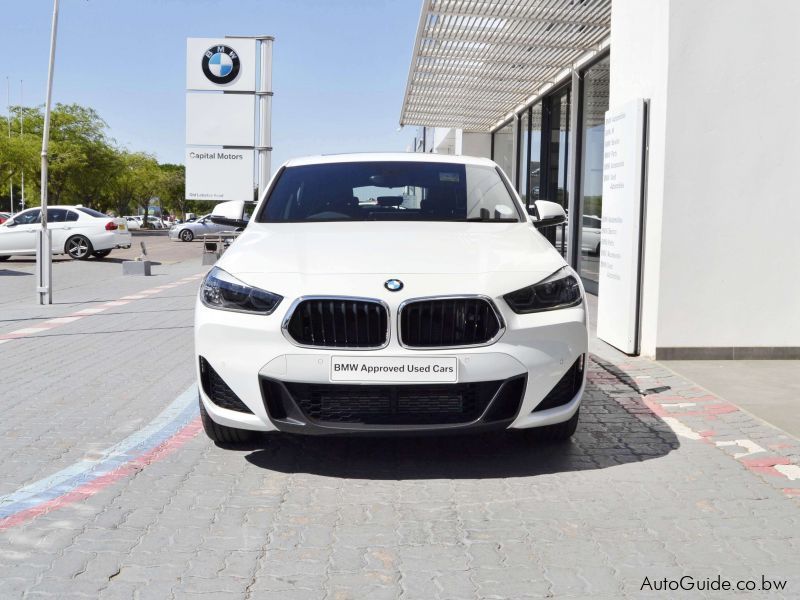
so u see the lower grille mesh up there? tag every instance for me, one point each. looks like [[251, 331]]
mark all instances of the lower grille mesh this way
[[393, 404]]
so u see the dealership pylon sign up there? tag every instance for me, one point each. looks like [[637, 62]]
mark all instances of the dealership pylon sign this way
[[228, 117]]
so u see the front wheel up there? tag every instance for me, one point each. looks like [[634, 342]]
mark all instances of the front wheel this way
[[101, 253], [187, 235], [79, 247], [222, 434], [559, 432]]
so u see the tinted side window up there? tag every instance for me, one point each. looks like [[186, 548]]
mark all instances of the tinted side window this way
[[28, 217], [91, 212], [56, 215], [71, 216]]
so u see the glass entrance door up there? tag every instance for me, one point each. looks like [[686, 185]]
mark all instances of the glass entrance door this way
[[555, 154], [594, 104]]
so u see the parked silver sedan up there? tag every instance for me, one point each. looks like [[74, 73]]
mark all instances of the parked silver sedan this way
[[186, 232]]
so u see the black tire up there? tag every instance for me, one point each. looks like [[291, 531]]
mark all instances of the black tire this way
[[222, 434], [597, 250], [78, 247], [101, 253], [186, 235], [2, 258], [560, 432]]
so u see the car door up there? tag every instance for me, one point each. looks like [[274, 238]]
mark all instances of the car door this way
[[18, 235], [59, 228]]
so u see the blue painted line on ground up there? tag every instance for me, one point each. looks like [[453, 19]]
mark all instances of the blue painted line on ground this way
[[169, 422]]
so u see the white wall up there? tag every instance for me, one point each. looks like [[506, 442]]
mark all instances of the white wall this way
[[721, 261], [733, 150], [476, 144]]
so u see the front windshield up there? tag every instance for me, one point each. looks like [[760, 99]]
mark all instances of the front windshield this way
[[390, 191]]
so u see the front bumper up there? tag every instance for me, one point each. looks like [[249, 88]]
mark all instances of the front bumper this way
[[251, 355]]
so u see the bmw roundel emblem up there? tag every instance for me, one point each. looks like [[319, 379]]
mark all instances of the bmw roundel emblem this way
[[393, 285], [221, 64]]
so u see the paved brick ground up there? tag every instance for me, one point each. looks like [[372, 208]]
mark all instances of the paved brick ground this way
[[661, 480]]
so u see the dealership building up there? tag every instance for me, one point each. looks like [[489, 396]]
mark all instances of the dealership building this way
[[668, 131]]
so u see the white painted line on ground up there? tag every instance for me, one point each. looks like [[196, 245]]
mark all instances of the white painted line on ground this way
[[791, 472], [749, 445], [61, 320], [27, 330], [680, 405], [88, 311], [55, 322], [681, 429]]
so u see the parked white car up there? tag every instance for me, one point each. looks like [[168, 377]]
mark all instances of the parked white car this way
[[133, 223], [439, 308], [590, 234], [154, 222], [77, 231]]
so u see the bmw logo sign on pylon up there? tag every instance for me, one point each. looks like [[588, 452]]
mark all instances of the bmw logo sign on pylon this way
[[221, 64]]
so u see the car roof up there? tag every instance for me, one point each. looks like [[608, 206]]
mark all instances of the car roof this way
[[321, 159]]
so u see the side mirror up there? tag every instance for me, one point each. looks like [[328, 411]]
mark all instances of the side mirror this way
[[547, 214], [235, 223]]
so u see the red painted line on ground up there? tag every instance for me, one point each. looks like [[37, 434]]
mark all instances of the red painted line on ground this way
[[767, 461], [92, 487]]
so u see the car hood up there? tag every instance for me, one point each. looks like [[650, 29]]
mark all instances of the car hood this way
[[390, 247]]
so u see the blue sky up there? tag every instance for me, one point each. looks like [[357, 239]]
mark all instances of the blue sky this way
[[339, 72]]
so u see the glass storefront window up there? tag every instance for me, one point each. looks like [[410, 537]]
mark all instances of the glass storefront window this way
[[535, 161], [523, 155], [595, 104], [556, 147], [503, 152]]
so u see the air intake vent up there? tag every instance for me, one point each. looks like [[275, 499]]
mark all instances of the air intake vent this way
[[566, 388], [218, 391], [448, 322], [339, 323]]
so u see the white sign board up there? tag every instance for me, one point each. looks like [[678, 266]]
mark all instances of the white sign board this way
[[220, 119], [216, 173], [221, 64], [620, 235]]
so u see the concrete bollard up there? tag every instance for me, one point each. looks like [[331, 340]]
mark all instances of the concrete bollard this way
[[136, 267]]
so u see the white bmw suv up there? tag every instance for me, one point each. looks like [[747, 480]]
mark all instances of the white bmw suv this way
[[384, 293]]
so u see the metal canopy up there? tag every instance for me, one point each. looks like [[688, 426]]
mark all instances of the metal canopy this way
[[477, 61]]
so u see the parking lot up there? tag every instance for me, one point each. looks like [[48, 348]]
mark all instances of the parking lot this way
[[111, 490]]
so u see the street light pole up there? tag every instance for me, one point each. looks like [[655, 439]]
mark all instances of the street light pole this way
[[21, 136], [11, 180], [44, 255]]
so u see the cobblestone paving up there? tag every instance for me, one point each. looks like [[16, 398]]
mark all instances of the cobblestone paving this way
[[661, 480]]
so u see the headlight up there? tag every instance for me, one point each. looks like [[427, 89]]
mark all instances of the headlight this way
[[223, 291], [560, 290]]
